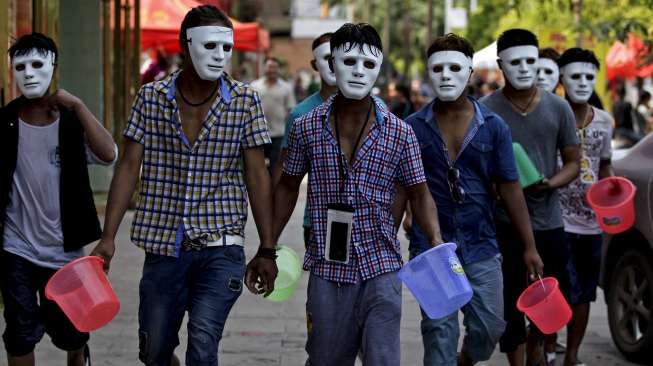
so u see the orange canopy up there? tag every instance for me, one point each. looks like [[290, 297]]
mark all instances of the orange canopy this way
[[160, 22]]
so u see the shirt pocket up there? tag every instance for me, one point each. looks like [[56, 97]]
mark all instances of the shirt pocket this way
[[481, 156]]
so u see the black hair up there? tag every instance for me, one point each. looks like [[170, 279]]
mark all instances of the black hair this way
[[34, 40], [202, 15], [451, 42], [323, 38], [643, 97], [516, 37], [549, 53], [356, 35], [577, 54]]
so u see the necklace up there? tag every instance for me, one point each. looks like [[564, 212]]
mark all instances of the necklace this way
[[521, 110], [202, 102], [587, 119]]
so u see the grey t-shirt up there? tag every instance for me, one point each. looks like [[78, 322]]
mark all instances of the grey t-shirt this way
[[545, 131]]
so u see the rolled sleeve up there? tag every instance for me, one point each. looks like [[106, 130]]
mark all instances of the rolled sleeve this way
[[505, 169], [411, 170], [135, 129], [256, 131], [296, 162]]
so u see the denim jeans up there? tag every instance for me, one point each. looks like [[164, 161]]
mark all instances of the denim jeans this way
[[483, 319], [206, 283], [344, 319]]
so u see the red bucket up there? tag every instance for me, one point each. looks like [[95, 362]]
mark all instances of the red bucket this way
[[544, 304], [612, 199], [82, 290]]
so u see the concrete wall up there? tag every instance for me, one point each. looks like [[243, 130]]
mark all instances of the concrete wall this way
[[80, 63]]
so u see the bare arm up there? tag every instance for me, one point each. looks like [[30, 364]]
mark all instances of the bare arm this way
[[425, 212], [259, 189], [285, 199], [277, 171], [513, 198], [399, 206], [570, 167], [605, 169], [122, 188]]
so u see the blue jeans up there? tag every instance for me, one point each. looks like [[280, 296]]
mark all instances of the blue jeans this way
[[344, 319], [206, 283], [483, 320]]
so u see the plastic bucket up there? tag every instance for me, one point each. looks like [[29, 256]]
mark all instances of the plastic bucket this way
[[544, 304], [528, 173], [612, 199], [437, 280], [290, 270], [82, 290]]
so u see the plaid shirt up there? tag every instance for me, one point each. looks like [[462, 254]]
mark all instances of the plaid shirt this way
[[389, 154], [196, 190]]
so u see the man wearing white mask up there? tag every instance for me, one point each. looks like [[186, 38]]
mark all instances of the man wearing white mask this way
[[578, 69], [47, 213], [190, 132], [466, 148], [543, 124], [548, 73], [328, 87], [354, 151]]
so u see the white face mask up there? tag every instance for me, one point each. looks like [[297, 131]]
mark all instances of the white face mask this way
[[322, 53], [519, 65], [210, 50], [579, 78], [356, 71], [449, 72], [33, 73], [548, 74]]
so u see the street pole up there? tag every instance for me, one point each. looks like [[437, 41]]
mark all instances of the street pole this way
[[578, 13]]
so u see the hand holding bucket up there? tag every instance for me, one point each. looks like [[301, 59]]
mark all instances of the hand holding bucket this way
[[612, 200], [290, 270], [83, 292], [544, 304], [437, 280]]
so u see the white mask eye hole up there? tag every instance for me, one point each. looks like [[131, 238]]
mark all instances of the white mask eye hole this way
[[210, 46], [548, 71], [227, 48], [349, 62], [531, 61], [369, 64], [326, 57], [455, 68], [37, 64], [19, 67], [575, 76], [515, 62], [590, 77], [437, 68]]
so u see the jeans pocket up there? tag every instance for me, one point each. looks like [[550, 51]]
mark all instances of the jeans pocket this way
[[235, 253]]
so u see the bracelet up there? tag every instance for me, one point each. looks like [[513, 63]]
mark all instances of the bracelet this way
[[268, 253]]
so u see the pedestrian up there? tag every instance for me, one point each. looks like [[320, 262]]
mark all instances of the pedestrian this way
[[548, 73], [187, 135], [48, 215], [319, 63], [278, 99], [354, 151], [578, 69], [466, 148], [543, 124]]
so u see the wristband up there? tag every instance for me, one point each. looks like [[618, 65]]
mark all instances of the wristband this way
[[269, 253]]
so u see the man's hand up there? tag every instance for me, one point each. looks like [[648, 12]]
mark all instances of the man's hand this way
[[260, 275], [105, 250], [64, 98], [542, 186], [534, 264]]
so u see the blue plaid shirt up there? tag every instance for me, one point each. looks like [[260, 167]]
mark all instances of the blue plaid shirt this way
[[194, 190], [389, 154]]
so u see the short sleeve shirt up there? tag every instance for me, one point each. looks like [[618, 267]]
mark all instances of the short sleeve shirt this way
[[543, 133], [195, 190], [485, 157], [388, 154], [596, 145]]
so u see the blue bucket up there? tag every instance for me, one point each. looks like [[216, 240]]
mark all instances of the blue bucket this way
[[437, 280]]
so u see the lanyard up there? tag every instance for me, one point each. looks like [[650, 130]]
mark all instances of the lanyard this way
[[341, 169]]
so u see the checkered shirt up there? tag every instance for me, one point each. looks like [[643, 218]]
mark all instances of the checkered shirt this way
[[196, 190], [389, 154]]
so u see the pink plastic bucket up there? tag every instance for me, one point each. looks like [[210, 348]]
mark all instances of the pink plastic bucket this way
[[612, 199], [82, 290], [544, 304]]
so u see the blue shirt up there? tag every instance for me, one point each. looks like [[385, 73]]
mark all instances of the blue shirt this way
[[485, 157], [301, 109]]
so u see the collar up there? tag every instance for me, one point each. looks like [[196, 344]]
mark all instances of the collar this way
[[481, 113], [381, 113], [168, 86]]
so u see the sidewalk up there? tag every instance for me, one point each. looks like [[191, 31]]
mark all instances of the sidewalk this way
[[260, 332]]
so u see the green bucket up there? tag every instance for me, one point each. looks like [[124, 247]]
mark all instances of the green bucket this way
[[528, 173], [290, 270]]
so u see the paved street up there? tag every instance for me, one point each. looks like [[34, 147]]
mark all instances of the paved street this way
[[260, 332]]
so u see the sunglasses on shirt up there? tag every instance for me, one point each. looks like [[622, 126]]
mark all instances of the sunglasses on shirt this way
[[457, 192]]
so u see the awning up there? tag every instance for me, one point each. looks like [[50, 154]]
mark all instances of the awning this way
[[160, 22], [486, 58], [627, 60]]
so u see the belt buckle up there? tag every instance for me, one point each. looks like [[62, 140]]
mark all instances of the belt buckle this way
[[190, 244]]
